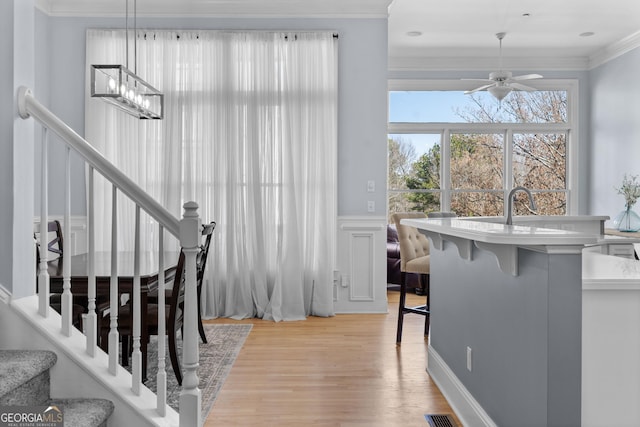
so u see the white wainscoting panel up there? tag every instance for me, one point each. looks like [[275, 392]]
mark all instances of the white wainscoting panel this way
[[361, 285], [361, 250]]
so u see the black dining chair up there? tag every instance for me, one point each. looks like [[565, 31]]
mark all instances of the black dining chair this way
[[201, 264], [174, 316], [55, 245], [174, 308]]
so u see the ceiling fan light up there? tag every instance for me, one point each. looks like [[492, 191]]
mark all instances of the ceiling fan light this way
[[499, 91]]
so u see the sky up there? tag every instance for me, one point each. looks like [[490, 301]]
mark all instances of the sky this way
[[427, 106]]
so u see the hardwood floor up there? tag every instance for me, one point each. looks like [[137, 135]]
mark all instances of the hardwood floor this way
[[340, 371]]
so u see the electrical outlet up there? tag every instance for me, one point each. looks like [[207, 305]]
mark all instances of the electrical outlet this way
[[469, 359], [371, 206], [336, 276], [346, 281]]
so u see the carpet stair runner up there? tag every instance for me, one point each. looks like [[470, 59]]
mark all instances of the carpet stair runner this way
[[25, 381]]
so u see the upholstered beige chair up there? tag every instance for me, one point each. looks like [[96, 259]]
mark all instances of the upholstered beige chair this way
[[414, 258]]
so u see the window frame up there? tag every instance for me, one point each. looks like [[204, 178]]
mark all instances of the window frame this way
[[570, 128]]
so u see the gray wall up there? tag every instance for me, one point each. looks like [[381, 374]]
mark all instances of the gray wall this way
[[6, 140], [17, 261], [362, 106], [615, 130]]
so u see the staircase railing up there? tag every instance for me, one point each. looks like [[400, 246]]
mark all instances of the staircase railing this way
[[187, 230]]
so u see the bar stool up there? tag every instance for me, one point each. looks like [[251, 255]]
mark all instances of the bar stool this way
[[414, 258]]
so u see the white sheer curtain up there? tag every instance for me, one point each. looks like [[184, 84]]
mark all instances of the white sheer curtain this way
[[250, 133]]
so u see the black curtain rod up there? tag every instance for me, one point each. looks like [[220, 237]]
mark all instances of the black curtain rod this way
[[335, 36]]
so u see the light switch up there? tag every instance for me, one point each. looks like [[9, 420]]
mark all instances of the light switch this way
[[371, 186]]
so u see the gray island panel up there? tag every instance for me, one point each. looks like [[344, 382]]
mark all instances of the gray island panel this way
[[523, 331]]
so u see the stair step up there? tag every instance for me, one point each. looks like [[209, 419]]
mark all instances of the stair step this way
[[24, 381], [84, 412], [25, 376]]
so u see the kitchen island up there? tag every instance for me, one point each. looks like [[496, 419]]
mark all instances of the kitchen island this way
[[610, 340], [505, 342]]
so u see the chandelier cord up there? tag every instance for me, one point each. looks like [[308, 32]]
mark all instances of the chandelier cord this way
[[135, 40], [126, 29], [122, 87], [135, 36]]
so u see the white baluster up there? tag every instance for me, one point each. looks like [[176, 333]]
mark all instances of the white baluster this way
[[90, 328], [136, 357], [114, 301], [161, 389], [43, 277], [67, 297], [190, 400], [187, 229]]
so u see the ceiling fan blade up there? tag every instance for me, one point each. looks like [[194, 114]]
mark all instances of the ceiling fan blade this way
[[527, 77], [485, 87], [520, 86], [477, 80], [503, 81]]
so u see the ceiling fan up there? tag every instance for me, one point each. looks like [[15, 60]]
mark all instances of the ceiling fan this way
[[503, 82]]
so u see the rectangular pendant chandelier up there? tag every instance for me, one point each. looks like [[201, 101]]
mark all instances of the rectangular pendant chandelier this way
[[124, 89]]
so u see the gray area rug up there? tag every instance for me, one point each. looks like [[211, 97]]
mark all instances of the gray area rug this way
[[216, 359]]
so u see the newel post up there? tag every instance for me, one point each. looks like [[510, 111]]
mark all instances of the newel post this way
[[190, 242]]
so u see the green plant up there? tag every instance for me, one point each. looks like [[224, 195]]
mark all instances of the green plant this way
[[630, 189]]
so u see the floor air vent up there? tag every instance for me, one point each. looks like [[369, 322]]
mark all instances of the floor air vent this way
[[440, 421]]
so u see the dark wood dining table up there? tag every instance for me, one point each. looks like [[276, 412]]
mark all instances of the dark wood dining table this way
[[148, 270]]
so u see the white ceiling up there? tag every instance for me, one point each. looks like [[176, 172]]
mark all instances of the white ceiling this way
[[548, 37], [454, 34]]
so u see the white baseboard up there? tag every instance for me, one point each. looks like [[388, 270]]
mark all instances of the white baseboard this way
[[467, 409]]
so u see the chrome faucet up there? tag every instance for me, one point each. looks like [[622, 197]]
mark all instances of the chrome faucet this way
[[532, 203]]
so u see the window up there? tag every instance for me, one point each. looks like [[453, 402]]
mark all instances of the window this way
[[454, 152]]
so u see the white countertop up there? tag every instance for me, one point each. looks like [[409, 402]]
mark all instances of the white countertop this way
[[607, 272], [499, 233], [538, 218]]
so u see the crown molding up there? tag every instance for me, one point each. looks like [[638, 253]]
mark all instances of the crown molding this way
[[219, 8], [465, 63], [614, 50]]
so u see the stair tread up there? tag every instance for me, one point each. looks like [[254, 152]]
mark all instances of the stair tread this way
[[84, 412], [20, 366]]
